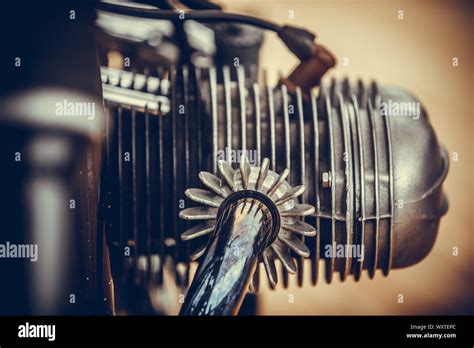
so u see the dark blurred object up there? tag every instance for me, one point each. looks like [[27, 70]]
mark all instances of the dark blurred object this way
[[238, 44], [55, 43], [50, 58]]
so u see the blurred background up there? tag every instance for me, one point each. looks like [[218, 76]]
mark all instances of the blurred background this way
[[415, 52]]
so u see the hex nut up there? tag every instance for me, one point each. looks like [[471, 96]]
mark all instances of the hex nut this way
[[326, 179]]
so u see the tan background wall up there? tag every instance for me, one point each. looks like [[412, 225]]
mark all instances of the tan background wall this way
[[415, 52]]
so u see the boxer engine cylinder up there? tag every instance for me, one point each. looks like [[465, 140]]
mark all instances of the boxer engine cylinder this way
[[373, 174]]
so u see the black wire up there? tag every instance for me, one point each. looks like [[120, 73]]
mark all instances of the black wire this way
[[161, 4], [208, 16], [201, 5]]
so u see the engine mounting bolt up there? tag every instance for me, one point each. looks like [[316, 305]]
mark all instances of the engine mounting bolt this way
[[326, 179]]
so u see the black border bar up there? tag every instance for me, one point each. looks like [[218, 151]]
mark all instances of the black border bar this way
[[314, 330]]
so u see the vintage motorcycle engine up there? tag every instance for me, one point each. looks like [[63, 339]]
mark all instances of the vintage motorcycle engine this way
[[199, 157], [375, 181]]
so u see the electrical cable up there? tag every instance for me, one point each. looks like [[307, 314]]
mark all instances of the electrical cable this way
[[208, 16]]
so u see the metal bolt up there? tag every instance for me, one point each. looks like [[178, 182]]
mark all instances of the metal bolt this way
[[326, 179]]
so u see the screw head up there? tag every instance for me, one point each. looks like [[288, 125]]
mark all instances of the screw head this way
[[326, 179]]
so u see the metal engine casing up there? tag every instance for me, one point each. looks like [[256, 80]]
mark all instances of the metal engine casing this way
[[386, 171]]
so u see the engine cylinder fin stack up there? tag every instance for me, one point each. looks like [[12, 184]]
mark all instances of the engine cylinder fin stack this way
[[334, 142]]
